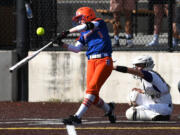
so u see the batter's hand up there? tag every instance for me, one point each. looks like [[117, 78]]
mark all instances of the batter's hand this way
[[60, 43], [64, 34]]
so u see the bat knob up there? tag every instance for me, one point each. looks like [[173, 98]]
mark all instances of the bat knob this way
[[10, 70]]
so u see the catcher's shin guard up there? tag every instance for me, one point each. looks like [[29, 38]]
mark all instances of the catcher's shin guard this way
[[131, 113], [134, 113]]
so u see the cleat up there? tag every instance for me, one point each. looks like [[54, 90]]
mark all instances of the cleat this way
[[161, 118], [175, 42], [129, 43], [110, 114], [72, 120], [153, 43]]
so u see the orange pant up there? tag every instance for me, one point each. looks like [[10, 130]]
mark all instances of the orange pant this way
[[98, 70]]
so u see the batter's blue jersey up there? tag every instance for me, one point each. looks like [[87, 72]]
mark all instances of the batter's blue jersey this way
[[97, 40]]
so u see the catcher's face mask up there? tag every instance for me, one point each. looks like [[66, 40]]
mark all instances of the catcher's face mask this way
[[139, 66]]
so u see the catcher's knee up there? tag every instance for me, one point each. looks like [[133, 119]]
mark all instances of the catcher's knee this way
[[131, 114], [133, 96]]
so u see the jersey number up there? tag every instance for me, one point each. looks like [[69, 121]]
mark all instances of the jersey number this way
[[100, 34]]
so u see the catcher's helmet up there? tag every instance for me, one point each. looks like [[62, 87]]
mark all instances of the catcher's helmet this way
[[84, 14], [146, 60]]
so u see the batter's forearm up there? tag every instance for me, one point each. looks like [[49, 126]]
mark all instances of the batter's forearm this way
[[78, 28], [85, 26]]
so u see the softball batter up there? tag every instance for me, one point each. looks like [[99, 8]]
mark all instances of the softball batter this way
[[93, 35]]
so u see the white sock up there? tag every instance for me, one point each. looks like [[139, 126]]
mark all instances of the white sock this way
[[101, 104], [82, 109], [174, 41], [128, 36], [88, 100], [156, 37], [116, 37]]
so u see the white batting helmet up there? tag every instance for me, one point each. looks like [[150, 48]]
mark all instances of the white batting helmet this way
[[146, 60]]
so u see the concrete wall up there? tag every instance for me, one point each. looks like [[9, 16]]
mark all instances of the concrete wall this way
[[8, 89], [62, 76], [57, 75]]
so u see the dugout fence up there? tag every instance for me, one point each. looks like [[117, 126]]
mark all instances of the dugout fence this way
[[7, 24], [55, 16]]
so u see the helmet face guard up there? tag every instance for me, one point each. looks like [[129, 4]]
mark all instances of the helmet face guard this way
[[77, 20], [146, 62]]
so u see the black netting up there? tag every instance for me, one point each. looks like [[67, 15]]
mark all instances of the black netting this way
[[44, 15], [143, 21], [7, 24], [55, 16]]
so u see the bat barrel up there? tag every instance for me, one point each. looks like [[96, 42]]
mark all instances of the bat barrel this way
[[20, 63], [28, 58]]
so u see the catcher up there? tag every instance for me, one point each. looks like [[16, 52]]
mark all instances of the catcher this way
[[153, 100], [94, 35]]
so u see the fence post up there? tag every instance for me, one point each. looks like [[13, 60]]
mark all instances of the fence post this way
[[150, 19], [22, 45], [170, 22]]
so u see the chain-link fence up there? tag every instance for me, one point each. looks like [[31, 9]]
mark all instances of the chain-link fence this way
[[142, 25], [44, 15], [7, 24], [56, 16]]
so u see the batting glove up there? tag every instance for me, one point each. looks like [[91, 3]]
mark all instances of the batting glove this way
[[64, 34], [60, 43]]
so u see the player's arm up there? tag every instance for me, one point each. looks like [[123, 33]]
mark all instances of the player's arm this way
[[74, 48], [133, 71], [79, 28], [85, 26]]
